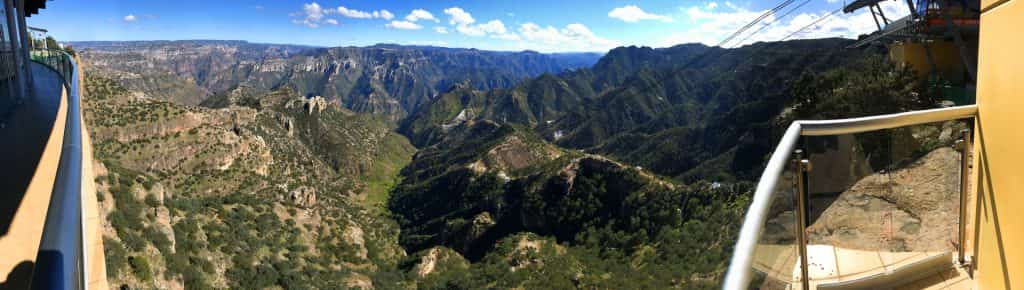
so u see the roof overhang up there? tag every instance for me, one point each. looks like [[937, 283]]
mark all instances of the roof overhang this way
[[858, 4], [33, 6]]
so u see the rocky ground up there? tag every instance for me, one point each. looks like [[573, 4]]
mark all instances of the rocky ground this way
[[914, 208], [241, 196]]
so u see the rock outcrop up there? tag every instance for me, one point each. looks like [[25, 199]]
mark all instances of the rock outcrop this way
[[914, 208], [303, 196], [437, 259]]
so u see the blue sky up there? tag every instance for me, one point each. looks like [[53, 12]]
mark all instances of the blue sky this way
[[548, 26]]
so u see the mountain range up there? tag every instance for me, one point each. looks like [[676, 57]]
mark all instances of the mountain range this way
[[383, 79], [227, 164]]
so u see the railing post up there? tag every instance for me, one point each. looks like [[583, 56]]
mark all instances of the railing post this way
[[964, 146], [802, 166]]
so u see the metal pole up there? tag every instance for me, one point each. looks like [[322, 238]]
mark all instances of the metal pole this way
[[954, 31], [20, 75], [801, 216], [26, 44], [882, 14], [964, 145], [875, 16], [913, 11]]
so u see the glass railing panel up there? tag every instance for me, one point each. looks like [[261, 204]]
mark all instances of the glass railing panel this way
[[56, 59], [881, 202], [776, 259]]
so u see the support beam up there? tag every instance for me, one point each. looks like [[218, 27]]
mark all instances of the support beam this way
[[801, 166], [875, 17], [913, 12], [953, 30], [882, 14]]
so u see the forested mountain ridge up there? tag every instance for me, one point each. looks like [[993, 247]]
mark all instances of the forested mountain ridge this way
[[382, 79], [630, 173], [630, 182], [276, 189], [608, 224], [708, 103]]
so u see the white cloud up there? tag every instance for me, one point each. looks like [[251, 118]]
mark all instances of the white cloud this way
[[402, 24], [713, 5], [732, 6], [464, 23], [312, 14], [313, 11], [130, 18], [420, 14], [441, 29], [507, 36], [411, 19], [574, 36], [457, 16], [352, 13], [429, 42], [632, 14], [482, 29], [493, 27], [711, 27]]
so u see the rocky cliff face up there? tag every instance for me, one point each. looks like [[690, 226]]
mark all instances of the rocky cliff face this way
[[908, 209], [690, 112], [383, 79], [237, 165], [240, 196]]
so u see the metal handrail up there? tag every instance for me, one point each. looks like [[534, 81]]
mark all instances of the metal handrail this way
[[60, 263], [872, 123], [739, 273]]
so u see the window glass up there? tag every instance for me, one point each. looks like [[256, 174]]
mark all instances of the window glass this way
[[7, 64]]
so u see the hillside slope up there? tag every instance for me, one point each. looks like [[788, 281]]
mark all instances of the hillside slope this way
[[383, 79], [237, 165], [528, 214], [242, 197], [669, 110]]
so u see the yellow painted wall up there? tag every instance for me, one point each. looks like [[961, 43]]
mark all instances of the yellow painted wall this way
[[999, 147], [945, 54]]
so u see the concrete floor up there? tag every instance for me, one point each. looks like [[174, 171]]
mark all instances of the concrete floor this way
[[22, 137], [951, 279], [30, 142]]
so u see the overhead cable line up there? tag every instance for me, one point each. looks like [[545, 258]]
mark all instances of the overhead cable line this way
[[755, 21], [759, 50], [826, 16], [771, 22], [778, 7]]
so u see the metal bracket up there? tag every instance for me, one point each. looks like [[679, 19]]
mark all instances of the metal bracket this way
[[964, 146], [802, 167]]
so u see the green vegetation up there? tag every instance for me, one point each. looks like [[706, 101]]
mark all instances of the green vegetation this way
[[598, 222], [631, 174], [277, 214], [116, 257], [869, 86], [349, 74], [712, 120]]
